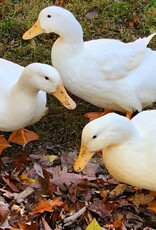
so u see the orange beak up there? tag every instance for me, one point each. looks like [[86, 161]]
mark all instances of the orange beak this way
[[33, 31], [84, 156], [64, 98]]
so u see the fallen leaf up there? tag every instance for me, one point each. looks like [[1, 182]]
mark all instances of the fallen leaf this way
[[63, 177], [21, 159], [81, 190], [153, 193], [26, 180], [5, 225], [141, 199], [30, 225], [4, 211], [94, 225], [68, 159], [47, 186], [46, 206], [33, 44], [61, 3], [91, 15], [45, 224], [110, 206], [120, 188], [38, 170], [21, 196], [99, 208], [117, 223], [152, 206], [1, 164], [91, 169], [51, 158], [133, 22], [10, 184]]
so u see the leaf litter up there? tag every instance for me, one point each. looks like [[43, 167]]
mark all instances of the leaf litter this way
[[43, 194]]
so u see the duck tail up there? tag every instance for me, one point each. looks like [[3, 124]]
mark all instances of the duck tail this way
[[147, 40]]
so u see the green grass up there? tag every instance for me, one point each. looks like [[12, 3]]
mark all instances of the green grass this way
[[112, 20]]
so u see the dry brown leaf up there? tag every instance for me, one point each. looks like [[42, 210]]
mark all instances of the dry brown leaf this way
[[141, 199], [63, 177], [5, 225], [117, 223], [91, 15], [21, 159], [10, 184], [152, 206], [45, 224], [133, 22], [81, 190], [4, 211], [120, 188], [30, 225], [68, 159], [46, 206], [153, 193], [99, 208], [21, 196], [1, 164], [38, 170]]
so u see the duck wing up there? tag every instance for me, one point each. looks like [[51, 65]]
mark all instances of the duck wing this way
[[116, 59], [145, 122], [9, 74]]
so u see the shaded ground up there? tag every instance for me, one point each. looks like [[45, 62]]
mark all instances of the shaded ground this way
[[60, 130]]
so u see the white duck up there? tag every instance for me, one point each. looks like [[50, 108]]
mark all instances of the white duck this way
[[105, 72], [129, 147], [23, 98]]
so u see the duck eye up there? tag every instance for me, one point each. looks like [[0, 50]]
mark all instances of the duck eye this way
[[49, 16], [47, 78], [95, 136]]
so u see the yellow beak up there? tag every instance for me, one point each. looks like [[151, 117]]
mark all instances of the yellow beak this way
[[84, 156], [64, 98], [34, 31]]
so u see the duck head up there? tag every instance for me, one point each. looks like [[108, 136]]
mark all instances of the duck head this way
[[46, 78], [55, 19], [109, 130]]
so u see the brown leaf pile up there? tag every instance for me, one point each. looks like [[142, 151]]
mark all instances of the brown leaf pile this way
[[38, 196]]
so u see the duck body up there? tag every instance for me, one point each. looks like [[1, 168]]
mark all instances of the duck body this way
[[129, 147], [97, 72], [23, 98], [20, 106], [105, 72], [133, 162]]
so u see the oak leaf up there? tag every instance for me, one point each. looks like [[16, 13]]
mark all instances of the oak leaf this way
[[46, 206], [141, 199], [64, 178], [99, 208]]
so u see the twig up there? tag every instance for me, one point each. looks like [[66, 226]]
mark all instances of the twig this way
[[75, 216]]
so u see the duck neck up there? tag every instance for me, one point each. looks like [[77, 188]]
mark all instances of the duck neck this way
[[73, 36], [24, 89], [123, 132], [125, 136]]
